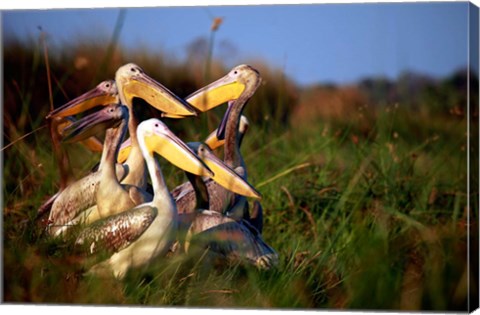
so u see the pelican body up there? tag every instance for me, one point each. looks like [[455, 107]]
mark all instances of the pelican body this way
[[112, 116], [232, 237]]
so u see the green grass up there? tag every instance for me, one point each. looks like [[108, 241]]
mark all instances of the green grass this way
[[361, 220]]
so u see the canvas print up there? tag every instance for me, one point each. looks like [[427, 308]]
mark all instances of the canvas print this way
[[285, 157]]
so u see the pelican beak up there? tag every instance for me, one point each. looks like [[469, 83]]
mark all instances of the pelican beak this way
[[173, 149], [213, 142], [225, 176], [216, 93], [103, 94], [124, 152], [92, 143], [94, 123], [157, 95]]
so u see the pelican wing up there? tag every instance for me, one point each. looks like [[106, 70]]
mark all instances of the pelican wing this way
[[116, 232], [234, 240], [76, 198]]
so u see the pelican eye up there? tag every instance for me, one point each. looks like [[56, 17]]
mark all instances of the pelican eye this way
[[235, 72], [156, 125]]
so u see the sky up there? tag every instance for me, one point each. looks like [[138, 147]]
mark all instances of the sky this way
[[319, 43]]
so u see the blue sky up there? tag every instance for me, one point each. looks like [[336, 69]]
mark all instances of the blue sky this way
[[337, 43]]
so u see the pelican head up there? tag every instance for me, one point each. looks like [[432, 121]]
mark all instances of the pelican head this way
[[223, 174], [90, 125], [227, 88], [155, 137], [133, 82], [103, 94]]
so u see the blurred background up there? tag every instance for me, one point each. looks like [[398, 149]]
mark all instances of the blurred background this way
[[385, 52], [386, 83]]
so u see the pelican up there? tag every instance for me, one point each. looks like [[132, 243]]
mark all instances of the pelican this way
[[83, 192], [131, 82], [244, 81], [255, 218], [233, 240], [156, 220]]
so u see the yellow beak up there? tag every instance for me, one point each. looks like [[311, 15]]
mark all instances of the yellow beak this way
[[214, 94], [176, 152], [157, 95], [213, 142], [227, 177], [103, 94]]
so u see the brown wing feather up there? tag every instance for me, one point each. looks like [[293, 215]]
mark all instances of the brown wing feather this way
[[116, 232]]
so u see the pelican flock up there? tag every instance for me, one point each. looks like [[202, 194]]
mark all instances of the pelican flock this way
[[124, 209]]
